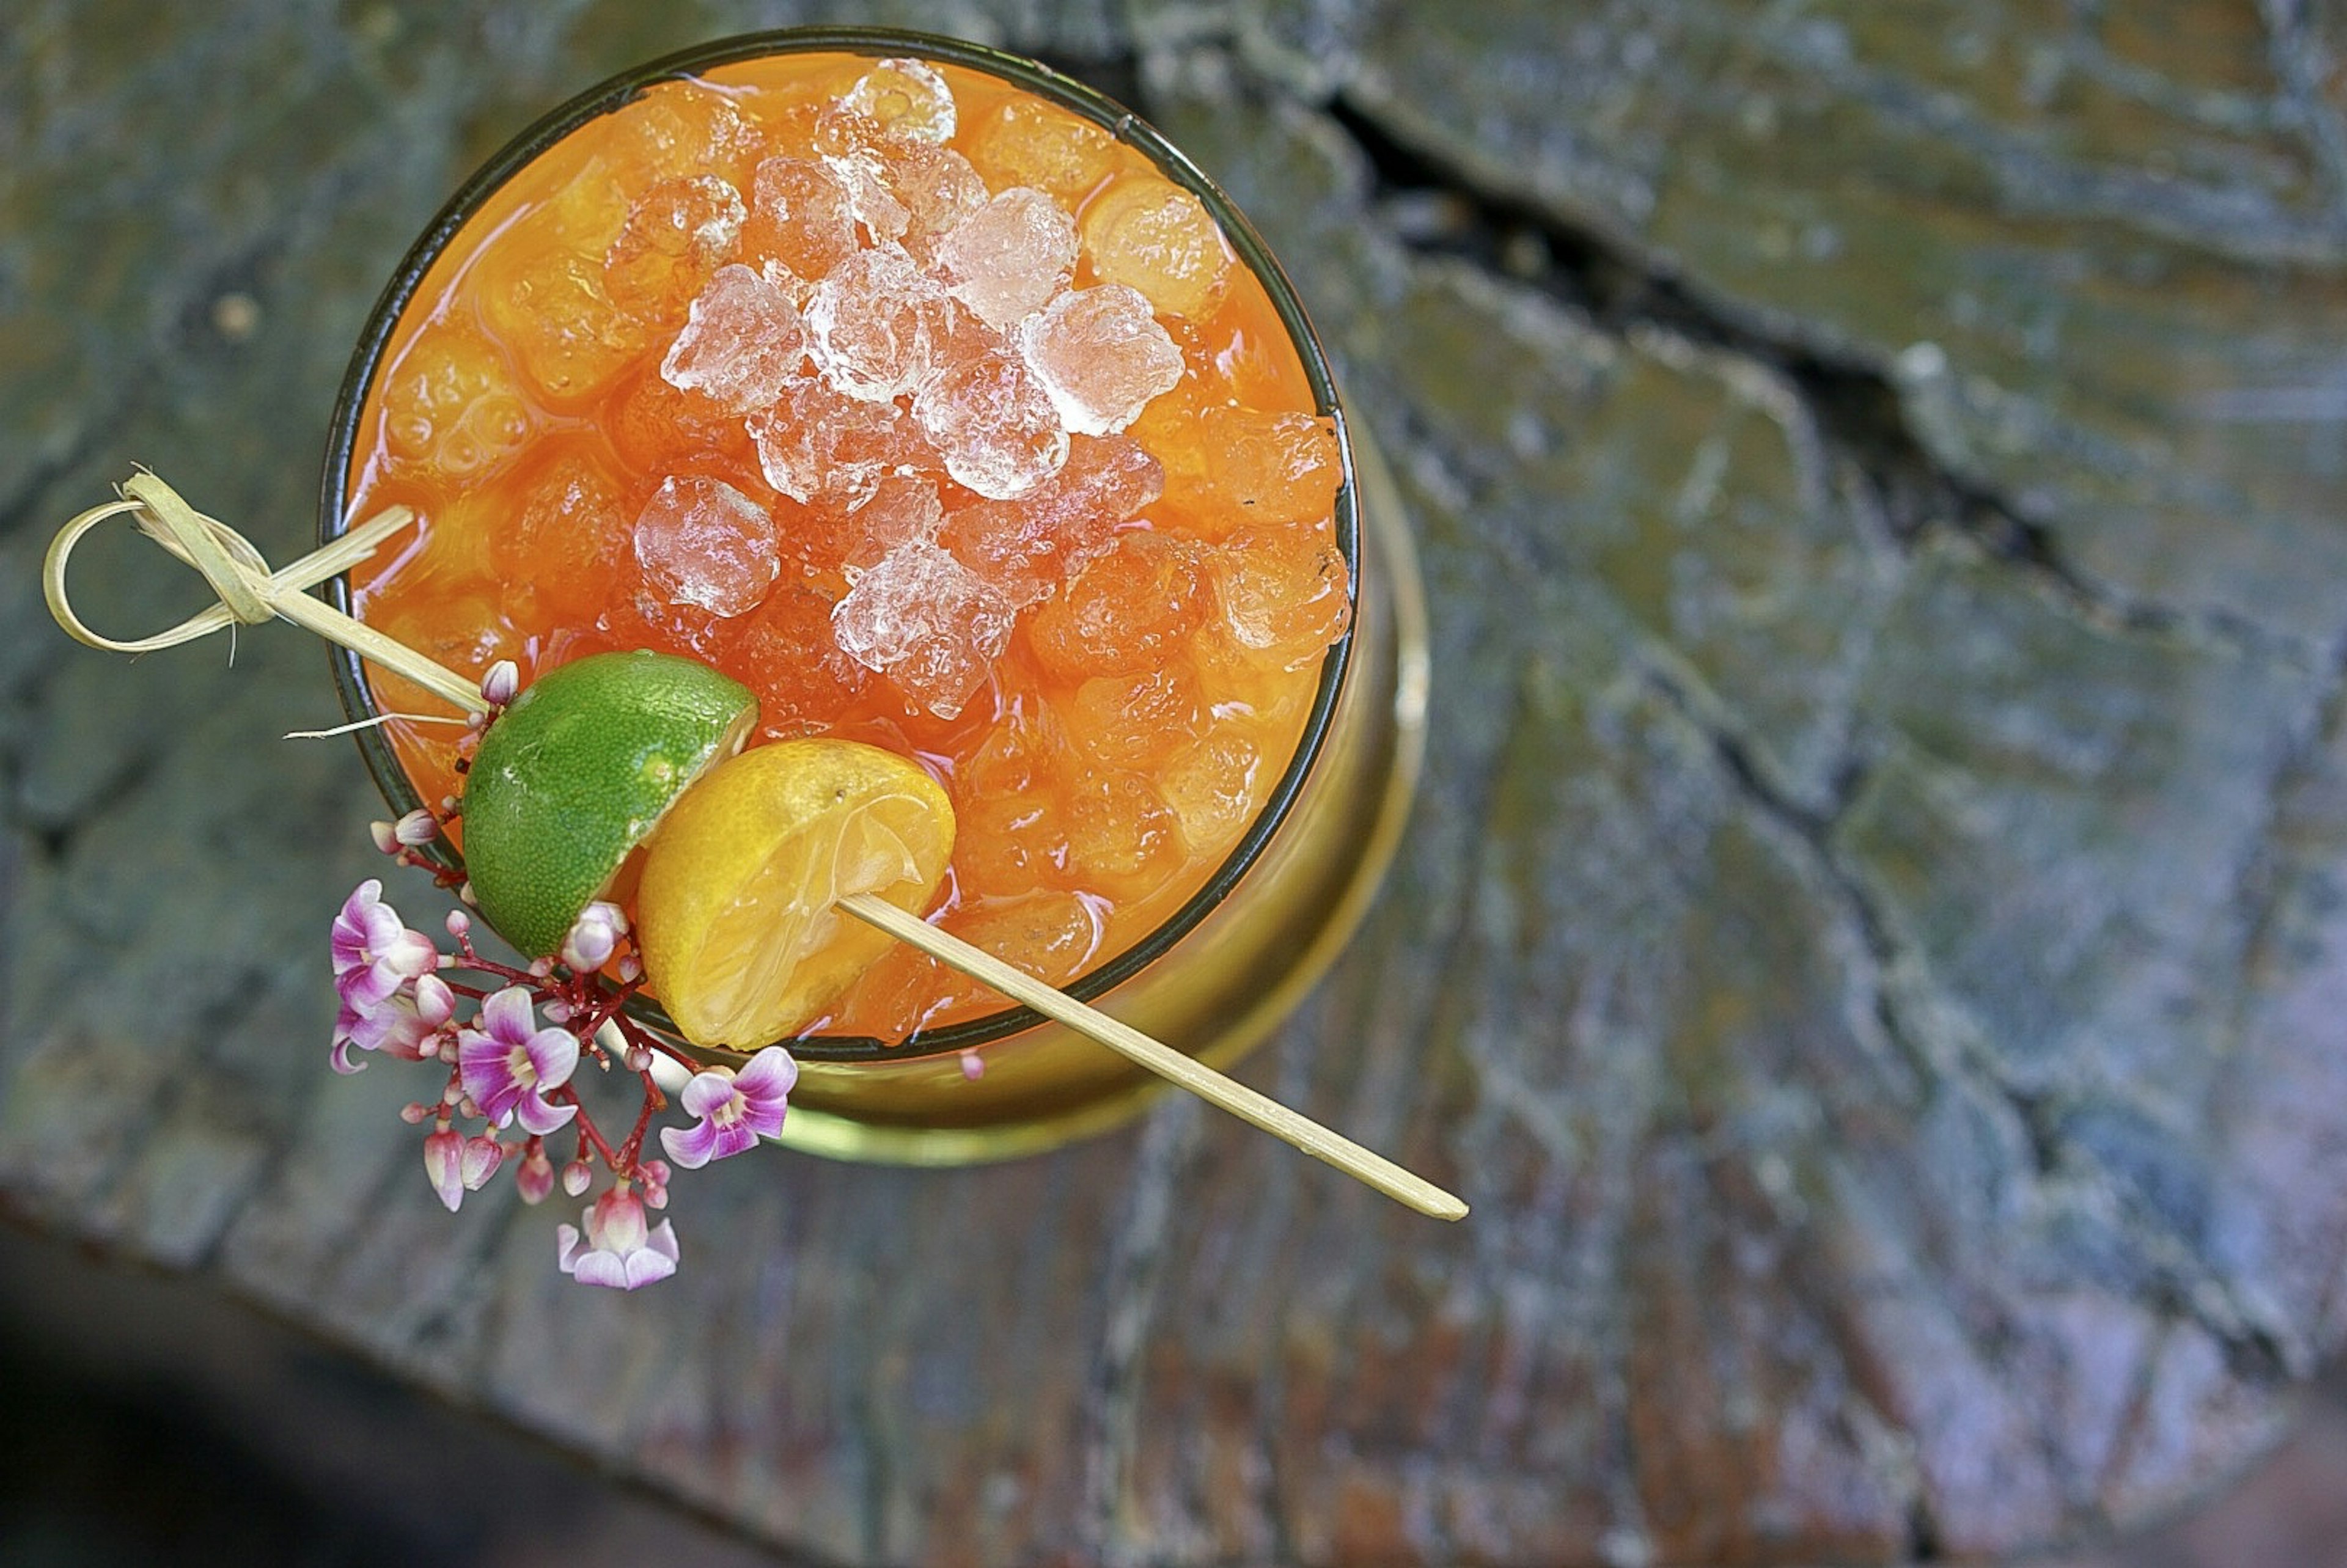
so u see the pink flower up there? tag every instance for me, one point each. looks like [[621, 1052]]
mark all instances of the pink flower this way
[[735, 1109], [509, 1069], [593, 937], [458, 1164], [400, 1024], [374, 954], [618, 1251]]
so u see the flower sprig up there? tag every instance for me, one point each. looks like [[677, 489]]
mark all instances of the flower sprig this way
[[512, 1039]]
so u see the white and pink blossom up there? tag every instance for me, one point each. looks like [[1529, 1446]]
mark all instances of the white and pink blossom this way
[[507, 1068], [374, 954], [736, 1108], [593, 937], [618, 1249]]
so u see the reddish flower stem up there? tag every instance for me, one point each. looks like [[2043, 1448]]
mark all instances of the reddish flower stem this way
[[653, 1101]]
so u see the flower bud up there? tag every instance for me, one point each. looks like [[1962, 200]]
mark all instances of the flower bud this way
[[386, 838], [502, 682], [419, 826], [593, 937], [444, 1166], [479, 1161], [459, 923], [535, 1177], [638, 1059], [577, 1176], [435, 1004]]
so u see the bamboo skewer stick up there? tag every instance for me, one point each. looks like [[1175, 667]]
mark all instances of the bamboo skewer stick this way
[[1168, 1063], [250, 592]]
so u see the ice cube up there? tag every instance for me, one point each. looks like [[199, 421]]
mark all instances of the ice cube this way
[[701, 542], [1134, 606], [1026, 547], [1108, 479], [799, 216], [742, 346], [861, 172], [678, 232], [926, 621], [450, 405], [1284, 593], [1008, 258], [1211, 787], [818, 446], [937, 189], [1154, 235], [1101, 355], [682, 127], [566, 537], [991, 419], [901, 510], [908, 98], [1023, 142], [553, 315], [871, 323], [787, 656], [1139, 719]]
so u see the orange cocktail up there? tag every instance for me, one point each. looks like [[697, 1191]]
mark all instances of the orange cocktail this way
[[929, 409]]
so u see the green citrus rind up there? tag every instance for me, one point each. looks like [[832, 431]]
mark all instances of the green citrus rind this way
[[576, 773]]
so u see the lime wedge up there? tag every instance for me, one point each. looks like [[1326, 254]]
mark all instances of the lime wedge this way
[[577, 771]]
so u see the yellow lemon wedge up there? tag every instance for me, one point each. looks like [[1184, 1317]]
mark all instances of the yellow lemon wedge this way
[[574, 773], [734, 913]]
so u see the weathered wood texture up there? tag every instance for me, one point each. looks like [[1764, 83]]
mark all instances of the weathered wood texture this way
[[1871, 948]]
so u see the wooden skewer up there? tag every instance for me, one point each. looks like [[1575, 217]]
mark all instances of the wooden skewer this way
[[1209, 1085], [249, 592]]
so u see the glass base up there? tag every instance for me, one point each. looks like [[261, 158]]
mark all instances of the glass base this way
[[1223, 990]]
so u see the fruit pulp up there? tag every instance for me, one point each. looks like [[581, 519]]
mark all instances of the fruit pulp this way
[[1164, 597]]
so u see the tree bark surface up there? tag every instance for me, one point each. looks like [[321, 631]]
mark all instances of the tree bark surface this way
[[1872, 945]]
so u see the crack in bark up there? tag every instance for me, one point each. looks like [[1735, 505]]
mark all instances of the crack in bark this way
[[2300, 64], [57, 837], [1431, 208], [1135, 1269], [2183, 1285]]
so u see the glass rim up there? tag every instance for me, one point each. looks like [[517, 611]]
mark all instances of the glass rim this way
[[618, 91]]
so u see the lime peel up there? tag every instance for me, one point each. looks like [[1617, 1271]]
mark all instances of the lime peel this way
[[578, 771]]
